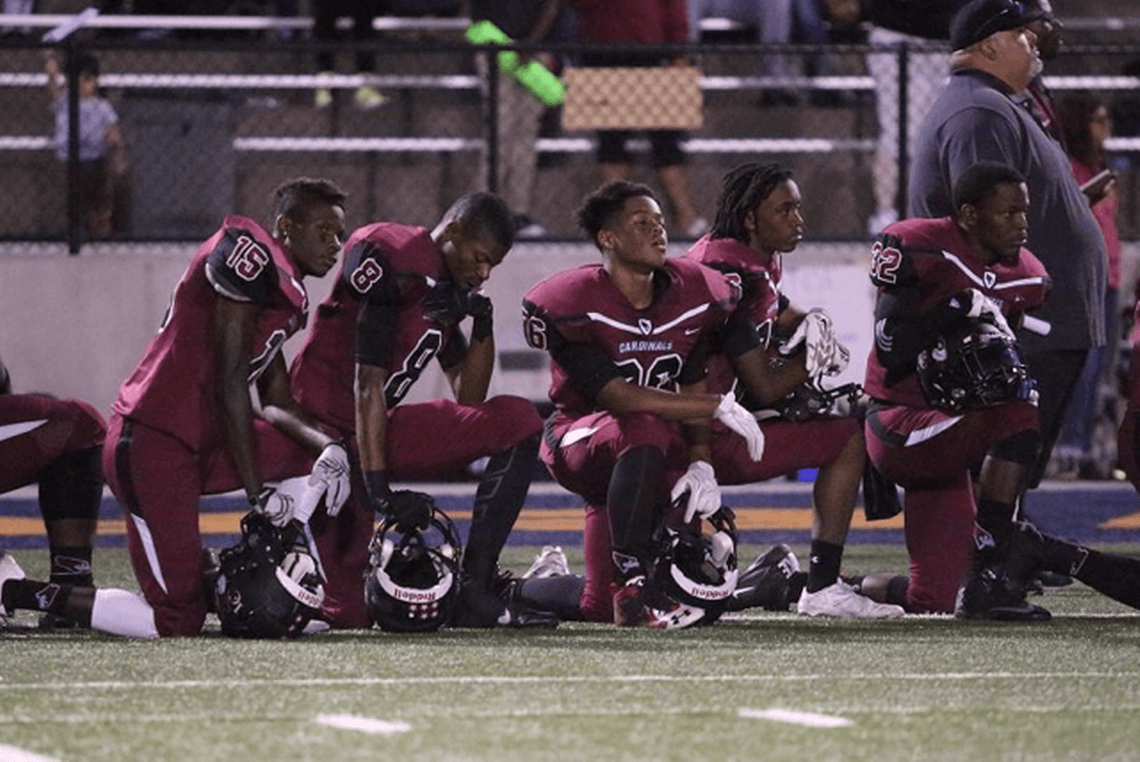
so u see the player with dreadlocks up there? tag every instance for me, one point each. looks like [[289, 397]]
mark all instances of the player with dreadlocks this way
[[759, 219]]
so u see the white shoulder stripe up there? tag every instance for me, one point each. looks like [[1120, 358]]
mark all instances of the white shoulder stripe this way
[[1035, 280], [962, 266], [682, 317], [598, 317]]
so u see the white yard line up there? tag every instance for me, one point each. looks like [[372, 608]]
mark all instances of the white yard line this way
[[363, 724], [807, 719], [13, 754], [527, 679]]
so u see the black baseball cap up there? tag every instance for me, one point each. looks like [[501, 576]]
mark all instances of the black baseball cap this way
[[978, 19]]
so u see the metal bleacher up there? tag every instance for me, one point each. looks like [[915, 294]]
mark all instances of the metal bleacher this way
[[439, 116]]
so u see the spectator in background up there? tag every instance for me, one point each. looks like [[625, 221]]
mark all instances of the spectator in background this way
[[776, 22], [103, 167], [519, 111], [1085, 125], [626, 24], [325, 15], [895, 23], [981, 115]]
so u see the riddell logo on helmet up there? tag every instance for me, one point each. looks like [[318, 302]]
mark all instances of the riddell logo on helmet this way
[[709, 593], [414, 596]]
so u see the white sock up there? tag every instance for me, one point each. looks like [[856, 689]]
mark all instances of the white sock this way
[[121, 612]]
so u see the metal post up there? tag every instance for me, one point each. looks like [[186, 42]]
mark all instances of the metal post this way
[[74, 211], [491, 131], [904, 132]]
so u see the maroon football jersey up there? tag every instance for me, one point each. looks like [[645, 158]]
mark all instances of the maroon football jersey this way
[[174, 387], [760, 284], [394, 266], [933, 256], [662, 346]]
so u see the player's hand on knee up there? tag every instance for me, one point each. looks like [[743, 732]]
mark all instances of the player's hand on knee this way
[[275, 505], [736, 417], [699, 489], [331, 477], [823, 354]]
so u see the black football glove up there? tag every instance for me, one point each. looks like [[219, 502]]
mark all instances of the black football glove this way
[[447, 304], [411, 509]]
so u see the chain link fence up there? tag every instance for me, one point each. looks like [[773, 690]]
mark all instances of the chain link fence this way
[[209, 123]]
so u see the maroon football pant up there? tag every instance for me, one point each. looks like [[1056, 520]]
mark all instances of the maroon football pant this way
[[160, 481], [584, 466], [35, 431], [930, 454]]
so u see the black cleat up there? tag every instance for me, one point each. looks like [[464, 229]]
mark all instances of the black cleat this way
[[1028, 560], [772, 582], [50, 622], [483, 611], [991, 595], [1054, 579]]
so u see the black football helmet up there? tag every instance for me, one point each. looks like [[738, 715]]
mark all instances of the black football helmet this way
[[975, 366], [268, 585], [698, 570], [412, 580], [809, 400]]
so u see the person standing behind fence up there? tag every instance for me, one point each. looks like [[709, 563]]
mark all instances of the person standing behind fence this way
[[896, 23], [325, 15], [519, 111], [626, 24], [103, 167], [982, 114], [1085, 125]]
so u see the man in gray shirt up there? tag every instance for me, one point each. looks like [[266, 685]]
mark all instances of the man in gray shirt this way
[[983, 114]]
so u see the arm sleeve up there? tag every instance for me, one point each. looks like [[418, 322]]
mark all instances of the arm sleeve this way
[[695, 367], [368, 274], [901, 331], [454, 351], [588, 367], [375, 326], [739, 335]]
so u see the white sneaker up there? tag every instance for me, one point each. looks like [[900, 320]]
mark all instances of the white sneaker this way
[[840, 600], [9, 569], [551, 562]]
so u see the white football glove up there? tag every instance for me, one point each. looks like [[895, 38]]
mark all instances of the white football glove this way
[[736, 417], [331, 477], [704, 493], [303, 498], [974, 304], [824, 355], [276, 505]]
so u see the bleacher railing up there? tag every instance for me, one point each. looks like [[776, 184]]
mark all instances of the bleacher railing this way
[[212, 124]]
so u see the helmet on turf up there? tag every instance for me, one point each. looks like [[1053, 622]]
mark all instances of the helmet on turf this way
[[268, 585], [974, 367], [412, 580], [698, 570]]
